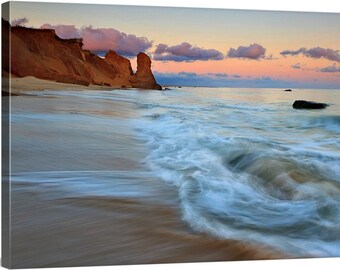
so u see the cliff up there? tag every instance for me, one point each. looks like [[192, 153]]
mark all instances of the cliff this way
[[42, 54]]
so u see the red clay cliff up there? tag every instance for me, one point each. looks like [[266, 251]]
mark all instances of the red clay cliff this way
[[42, 54]]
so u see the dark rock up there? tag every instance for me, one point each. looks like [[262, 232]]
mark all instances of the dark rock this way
[[6, 93], [158, 87], [288, 90], [166, 88], [303, 104]]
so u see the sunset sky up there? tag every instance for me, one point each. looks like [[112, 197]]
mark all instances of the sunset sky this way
[[204, 47]]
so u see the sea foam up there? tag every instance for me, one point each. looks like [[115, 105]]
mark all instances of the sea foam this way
[[249, 171]]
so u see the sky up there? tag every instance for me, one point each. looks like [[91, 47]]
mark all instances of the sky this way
[[204, 47]]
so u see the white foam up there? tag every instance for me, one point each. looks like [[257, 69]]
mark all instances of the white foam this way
[[253, 176]]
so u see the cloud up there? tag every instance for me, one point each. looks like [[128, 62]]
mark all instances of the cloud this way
[[296, 66], [289, 52], [253, 51], [187, 79], [210, 74], [218, 74], [211, 80], [317, 52], [103, 39], [63, 31], [266, 78], [19, 22], [333, 68], [188, 74], [100, 39], [185, 52], [329, 54]]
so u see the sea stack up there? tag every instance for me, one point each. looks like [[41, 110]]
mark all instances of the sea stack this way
[[144, 77]]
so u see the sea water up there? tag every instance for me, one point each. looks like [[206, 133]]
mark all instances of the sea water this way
[[246, 165]]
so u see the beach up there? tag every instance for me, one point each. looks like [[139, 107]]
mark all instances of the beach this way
[[30, 83], [83, 193], [147, 134]]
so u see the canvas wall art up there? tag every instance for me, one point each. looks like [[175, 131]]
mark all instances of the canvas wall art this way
[[143, 135]]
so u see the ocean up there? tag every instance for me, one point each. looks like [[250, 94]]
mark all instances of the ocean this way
[[248, 166], [243, 163]]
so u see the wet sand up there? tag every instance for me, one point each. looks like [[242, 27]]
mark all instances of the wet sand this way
[[56, 224], [30, 83], [104, 231]]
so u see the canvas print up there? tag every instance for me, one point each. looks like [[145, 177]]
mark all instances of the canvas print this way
[[141, 135]]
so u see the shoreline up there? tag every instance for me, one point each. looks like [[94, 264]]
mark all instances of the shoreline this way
[[100, 230], [30, 83], [82, 228]]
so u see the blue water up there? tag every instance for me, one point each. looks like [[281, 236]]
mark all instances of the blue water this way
[[246, 165]]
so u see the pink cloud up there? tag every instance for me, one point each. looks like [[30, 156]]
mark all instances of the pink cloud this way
[[253, 51], [317, 52], [331, 69], [19, 21], [103, 39], [296, 66], [185, 52], [63, 31]]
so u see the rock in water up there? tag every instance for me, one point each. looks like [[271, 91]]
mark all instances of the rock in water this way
[[303, 104]]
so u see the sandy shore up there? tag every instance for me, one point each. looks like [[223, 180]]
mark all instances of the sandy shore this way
[[29, 83], [73, 224], [103, 231]]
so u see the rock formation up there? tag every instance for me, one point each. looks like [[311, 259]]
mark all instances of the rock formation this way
[[303, 104], [144, 77], [121, 66], [42, 54]]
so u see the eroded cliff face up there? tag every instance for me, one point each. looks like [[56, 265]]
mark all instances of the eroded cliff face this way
[[42, 54]]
